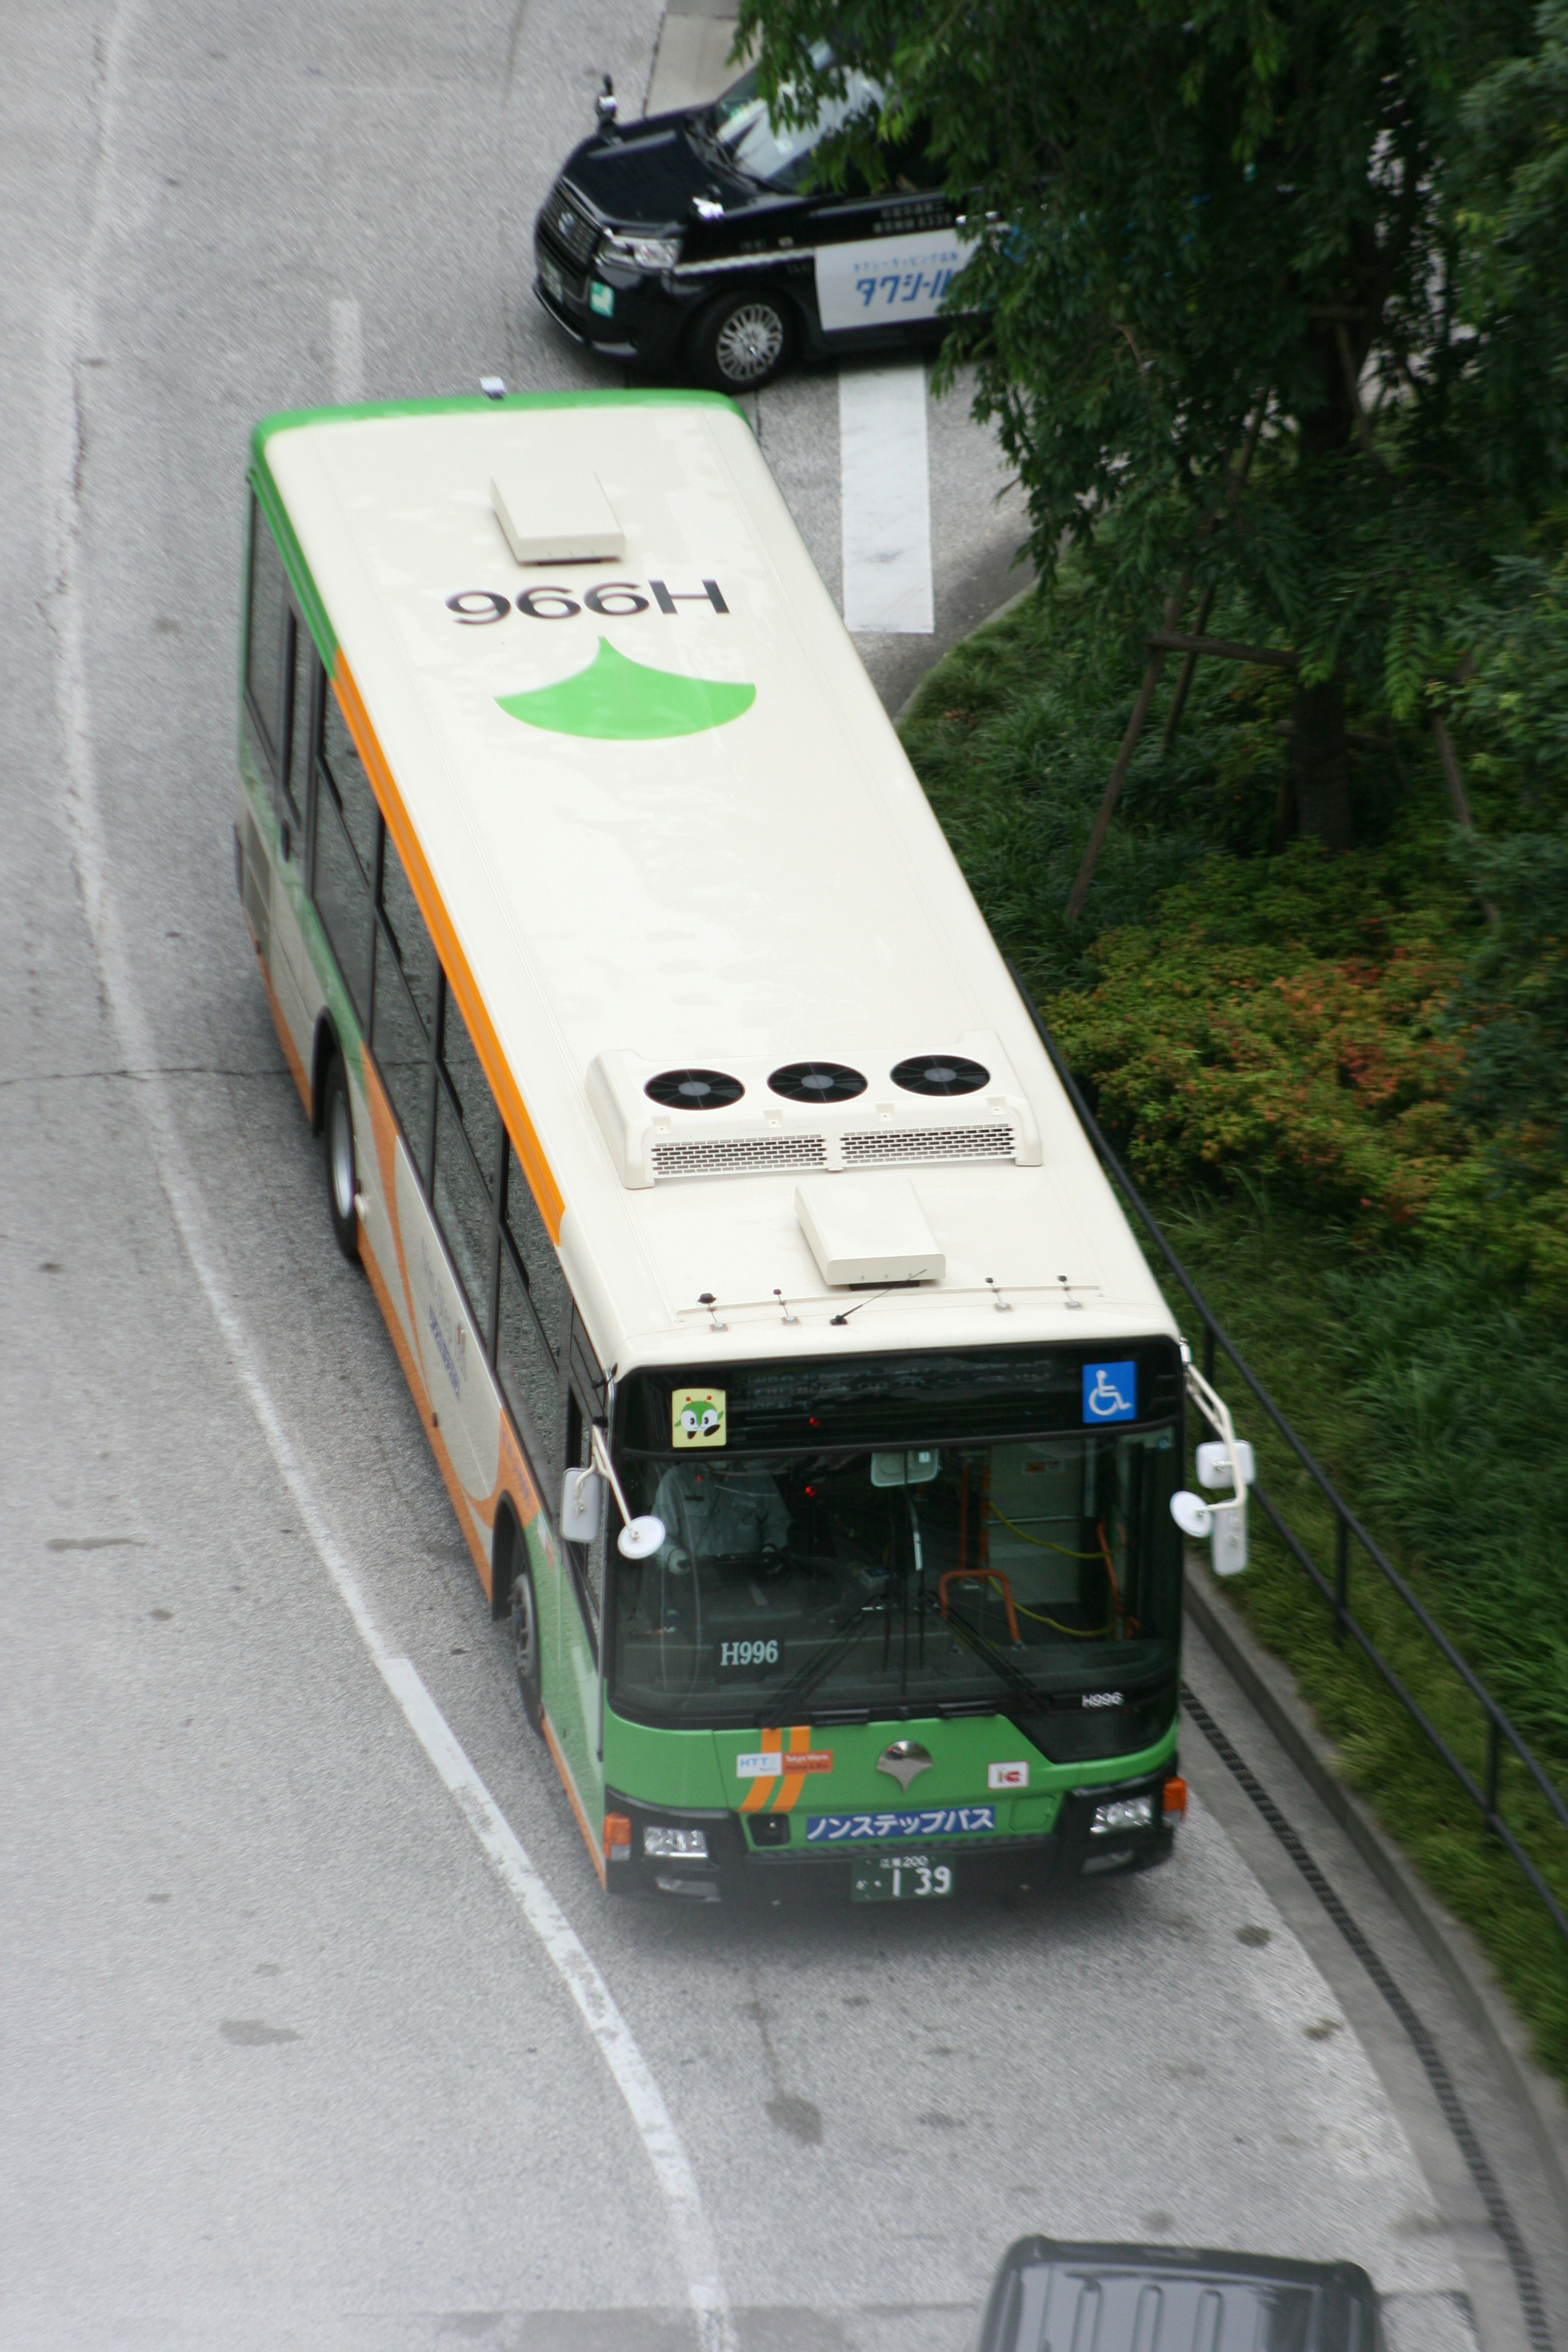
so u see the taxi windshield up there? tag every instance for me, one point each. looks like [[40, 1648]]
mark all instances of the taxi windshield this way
[[781, 154], [1005, 1573]]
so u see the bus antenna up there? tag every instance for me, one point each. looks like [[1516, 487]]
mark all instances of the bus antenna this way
[[877, 1293]]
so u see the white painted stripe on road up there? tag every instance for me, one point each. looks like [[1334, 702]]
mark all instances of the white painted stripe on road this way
[[885, 500], [696, 2249], [348, 354]]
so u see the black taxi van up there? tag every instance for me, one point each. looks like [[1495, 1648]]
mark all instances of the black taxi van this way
[[697, 239]]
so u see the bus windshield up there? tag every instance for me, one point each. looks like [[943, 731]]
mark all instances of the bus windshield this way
[[1009, 1572]]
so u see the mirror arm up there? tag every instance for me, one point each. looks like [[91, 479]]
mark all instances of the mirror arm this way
[[599, 1459], [1215, 1411]]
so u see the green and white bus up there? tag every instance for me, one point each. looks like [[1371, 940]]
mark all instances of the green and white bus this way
[[809, 1410]]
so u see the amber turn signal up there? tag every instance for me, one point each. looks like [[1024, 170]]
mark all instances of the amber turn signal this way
[[617, 1838], [1175, 1805]]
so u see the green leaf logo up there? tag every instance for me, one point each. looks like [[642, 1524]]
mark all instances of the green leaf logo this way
[[621, 701]]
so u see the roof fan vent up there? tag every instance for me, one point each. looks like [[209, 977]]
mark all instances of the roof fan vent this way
[[940, 1074], [816, 1082], [694, 1089]]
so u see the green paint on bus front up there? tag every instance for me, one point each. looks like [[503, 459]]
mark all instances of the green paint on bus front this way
[[615, 700]]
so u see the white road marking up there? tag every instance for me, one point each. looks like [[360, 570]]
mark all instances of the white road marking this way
[[69, 327], [885, 497], [348, 354]]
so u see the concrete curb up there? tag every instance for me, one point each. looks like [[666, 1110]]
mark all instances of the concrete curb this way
[[1003, 609], [1271, 1688]]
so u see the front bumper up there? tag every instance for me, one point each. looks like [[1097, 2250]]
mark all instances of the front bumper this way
[[739, 1869], [645, 322]]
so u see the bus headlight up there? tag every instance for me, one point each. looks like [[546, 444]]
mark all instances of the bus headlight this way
[[1122, 1813], [671, 1845]]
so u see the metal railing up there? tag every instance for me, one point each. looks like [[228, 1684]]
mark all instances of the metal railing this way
[[1484, 1793]]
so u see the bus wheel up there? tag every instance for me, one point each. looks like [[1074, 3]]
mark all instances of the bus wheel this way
[[525, 1648], [342, 1176], [742, 341]]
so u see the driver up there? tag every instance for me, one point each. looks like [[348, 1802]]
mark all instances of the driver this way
[[719, 1514]]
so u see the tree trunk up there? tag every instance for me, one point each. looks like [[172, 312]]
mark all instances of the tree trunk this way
[[1319, 765]]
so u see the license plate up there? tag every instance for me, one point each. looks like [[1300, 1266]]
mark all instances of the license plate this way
[[902, 1878], [550, 278]]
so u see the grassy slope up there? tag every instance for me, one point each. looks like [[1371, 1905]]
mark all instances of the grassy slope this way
[[1424, 1387]]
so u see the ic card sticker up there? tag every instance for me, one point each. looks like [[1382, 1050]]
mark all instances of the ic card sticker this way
[[696, 1417], [1007, 1776], [886, 279], [766, 1765]]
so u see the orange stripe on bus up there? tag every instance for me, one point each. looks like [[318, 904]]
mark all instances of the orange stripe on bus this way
[[286, 1037], [794, 1783], [519, 1127]]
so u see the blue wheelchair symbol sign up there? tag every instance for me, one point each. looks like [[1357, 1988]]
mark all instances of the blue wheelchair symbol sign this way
[[1111, 1391]]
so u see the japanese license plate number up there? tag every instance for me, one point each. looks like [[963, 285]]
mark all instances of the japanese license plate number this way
[[901, 1878], [551, 276]]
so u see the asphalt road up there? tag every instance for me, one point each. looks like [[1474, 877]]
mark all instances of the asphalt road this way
[[287, 2063]]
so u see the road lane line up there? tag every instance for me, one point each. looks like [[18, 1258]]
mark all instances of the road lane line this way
[[696, 2249], [884, 469], [348, 354]]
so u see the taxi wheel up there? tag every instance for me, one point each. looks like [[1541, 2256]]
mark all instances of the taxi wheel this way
[[342, 1176], [742, 341]]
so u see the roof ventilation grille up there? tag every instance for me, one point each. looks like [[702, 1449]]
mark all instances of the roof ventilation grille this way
[[694, 1089], [737, 1155], [817, 1082], [879, 1145], [940, 1074]]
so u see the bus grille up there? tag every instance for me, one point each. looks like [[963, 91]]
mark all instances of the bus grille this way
[[738, 1153], [928, 1143]]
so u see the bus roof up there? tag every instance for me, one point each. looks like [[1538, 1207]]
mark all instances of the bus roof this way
[[669, 828]]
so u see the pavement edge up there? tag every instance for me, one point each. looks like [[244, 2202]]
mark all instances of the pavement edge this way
[[1271, 1688]]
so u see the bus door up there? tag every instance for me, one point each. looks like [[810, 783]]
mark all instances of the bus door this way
[[581, 1685]]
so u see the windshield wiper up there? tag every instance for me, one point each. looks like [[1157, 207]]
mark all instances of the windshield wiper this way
[[1023, 1689], [784, 1702]]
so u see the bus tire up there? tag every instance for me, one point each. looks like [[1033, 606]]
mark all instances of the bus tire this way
[[742, 341], [342, 1168], [524, 1623]]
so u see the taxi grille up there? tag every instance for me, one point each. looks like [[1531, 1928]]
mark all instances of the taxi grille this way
[[569, 225]]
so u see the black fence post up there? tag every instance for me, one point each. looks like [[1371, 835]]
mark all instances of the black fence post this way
[[1341, 1573], [1208, 1351]]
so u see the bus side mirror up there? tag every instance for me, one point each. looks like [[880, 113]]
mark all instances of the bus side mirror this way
[[581, 1507], [1192, 1515], [606, 106], [638, 1537]]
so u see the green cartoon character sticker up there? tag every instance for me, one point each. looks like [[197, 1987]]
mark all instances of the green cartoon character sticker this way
[[696, 1417]]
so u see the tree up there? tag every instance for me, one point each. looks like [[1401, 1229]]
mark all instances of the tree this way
[[1195, 216]]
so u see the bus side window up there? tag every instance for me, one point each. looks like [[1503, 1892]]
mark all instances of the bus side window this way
[[537, 1262], [528, 1375], [407, 979], [303, 670], [344, 867], [587, 1559], [467, 1135], [266, 604]]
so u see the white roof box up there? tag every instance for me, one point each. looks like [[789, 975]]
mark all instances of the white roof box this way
[[740, 1115], [867, 1229], [560, 517]]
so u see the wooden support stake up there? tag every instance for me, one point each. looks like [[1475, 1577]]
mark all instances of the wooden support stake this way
[[1235, 484], [1179, 641], [1123, 761]]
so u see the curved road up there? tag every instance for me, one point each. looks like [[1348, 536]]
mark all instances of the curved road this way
[[290, 2061]]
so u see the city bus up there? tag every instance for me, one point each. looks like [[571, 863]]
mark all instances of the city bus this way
[[806, 1405]]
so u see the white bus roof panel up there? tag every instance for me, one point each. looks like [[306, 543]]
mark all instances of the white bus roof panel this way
[[769, 887]]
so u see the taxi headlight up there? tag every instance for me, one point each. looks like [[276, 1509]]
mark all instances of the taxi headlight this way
[[640, 252], [672, 1845], [1122, 1813]]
